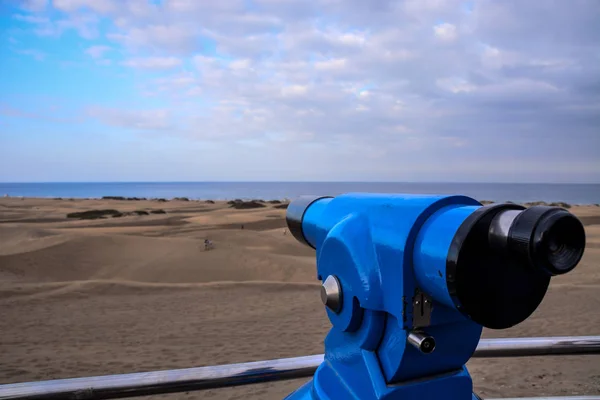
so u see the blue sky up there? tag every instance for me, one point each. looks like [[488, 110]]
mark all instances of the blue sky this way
[[184, 90]]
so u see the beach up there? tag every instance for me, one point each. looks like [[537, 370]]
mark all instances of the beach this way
[[139, 292]]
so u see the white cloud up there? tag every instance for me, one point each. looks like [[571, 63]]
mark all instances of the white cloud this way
[[240, 64], [446, 32], [97, 51], [84, 24], [100, 6], [153, 62], [294, 90], [335, 64], [169, 38], [455, 85], [34, 5]]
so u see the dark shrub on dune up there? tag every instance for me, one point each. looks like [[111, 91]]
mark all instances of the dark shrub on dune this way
[[560, 204], [274, 202], [543, 203], [485, 202], [181, 199], [123, 198], [535, 203], [94, 214], [158, 211], [282, 206], [134, 213], [244, 205], [209, 202]]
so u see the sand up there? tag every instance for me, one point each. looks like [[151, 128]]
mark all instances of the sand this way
[[139, 293]]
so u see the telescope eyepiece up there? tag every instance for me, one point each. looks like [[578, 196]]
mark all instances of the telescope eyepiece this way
[[551, 239], [503, 256]]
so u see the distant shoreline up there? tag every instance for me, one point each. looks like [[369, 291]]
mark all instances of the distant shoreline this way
[[271, 201], [580, 194], [156, 199]]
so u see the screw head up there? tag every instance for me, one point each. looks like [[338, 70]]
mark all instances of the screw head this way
[[331, 293]]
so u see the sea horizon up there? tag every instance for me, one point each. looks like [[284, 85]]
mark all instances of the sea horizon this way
[[572, 193], [310, 181]]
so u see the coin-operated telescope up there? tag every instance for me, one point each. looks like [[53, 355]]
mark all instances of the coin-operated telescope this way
[[409, 282]]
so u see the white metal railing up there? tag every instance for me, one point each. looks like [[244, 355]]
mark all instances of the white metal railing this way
[[200, 378]]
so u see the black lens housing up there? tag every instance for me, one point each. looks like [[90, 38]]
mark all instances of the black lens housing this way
[[551, 239], [499, 281]]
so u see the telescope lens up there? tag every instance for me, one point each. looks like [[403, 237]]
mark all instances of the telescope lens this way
[[560, 244], [552, 239]]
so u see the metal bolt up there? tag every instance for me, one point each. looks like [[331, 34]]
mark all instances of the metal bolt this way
[[331, 293], [422, 341]]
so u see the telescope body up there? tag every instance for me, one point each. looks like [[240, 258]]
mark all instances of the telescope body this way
[[409, 282]]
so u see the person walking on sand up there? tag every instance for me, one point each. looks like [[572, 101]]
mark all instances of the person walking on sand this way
[[207, 244]]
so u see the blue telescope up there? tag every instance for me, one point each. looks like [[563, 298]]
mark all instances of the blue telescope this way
[[409, 282]]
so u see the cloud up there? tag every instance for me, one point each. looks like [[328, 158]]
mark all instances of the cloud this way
[[97, 51], [100, 6], [86, 25], [170, 39], [446, 32], [32, 5], [463, 84], [153, 62]]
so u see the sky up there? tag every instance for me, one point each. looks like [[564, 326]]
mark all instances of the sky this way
[[296, 90]]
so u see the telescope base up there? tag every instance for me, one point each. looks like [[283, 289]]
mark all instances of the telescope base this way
[[305, 393], [329, 385]]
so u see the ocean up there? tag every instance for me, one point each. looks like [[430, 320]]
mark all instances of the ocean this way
[[519, 193]]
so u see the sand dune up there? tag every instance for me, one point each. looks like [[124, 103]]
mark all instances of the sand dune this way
[[139, 293], [150, 259], [84, 289], [23, 240]]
